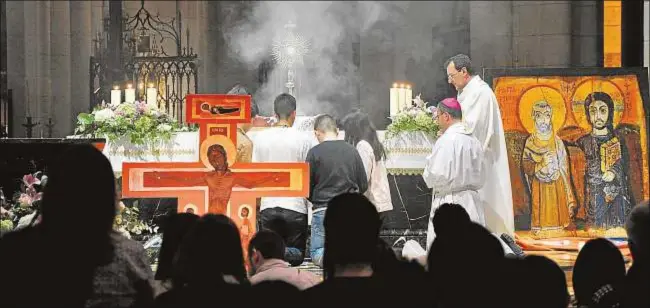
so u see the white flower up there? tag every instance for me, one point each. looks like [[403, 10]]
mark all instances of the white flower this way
[[164, 127], [104, 115]]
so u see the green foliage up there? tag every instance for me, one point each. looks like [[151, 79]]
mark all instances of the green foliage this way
[[413, 120], [6, 225], [137, 122]]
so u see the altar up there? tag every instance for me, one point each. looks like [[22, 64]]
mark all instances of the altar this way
[[406, 154]]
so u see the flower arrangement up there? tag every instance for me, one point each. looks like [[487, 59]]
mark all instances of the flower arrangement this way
[[19, 212], [128, 223], [137, 121], [413, 119]]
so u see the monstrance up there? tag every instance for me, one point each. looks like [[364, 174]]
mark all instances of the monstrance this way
[[288, 52]]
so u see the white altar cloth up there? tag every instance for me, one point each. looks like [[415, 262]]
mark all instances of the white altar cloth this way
[[406, 152], [183, 147]]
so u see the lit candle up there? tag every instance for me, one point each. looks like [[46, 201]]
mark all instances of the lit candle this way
[[129, 94], [394, 104], [402, 97], [152, 95], [116, 96], [409, 96]]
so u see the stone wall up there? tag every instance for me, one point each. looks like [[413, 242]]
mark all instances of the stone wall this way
[[412, 46], [47, 62], [534, 33]]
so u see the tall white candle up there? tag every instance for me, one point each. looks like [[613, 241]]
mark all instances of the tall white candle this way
[[409, 96], [394, 103], [116, 96], [129, 94], [402, 97], [152, 95]]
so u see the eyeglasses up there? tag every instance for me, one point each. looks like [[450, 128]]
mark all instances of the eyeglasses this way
[[451, 76]]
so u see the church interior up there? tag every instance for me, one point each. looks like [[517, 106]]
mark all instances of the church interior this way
[[155, 85]]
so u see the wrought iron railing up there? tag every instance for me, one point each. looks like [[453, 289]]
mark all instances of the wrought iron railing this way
[[145, 62]]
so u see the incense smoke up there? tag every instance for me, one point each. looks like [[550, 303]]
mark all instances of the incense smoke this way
[[328, 81]]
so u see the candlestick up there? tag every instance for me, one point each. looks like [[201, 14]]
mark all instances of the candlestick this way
[[28, 114], [394, 103], [116, 96], [129, 94], [402, 97], [152, 95], [409, 96]]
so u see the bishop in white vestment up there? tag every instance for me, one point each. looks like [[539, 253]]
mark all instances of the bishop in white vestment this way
[[482, 118], [455, 169]]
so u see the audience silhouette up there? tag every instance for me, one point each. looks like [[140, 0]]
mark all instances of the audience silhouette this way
[[57, 262], [201, 262], [176, 226], [599, 274]]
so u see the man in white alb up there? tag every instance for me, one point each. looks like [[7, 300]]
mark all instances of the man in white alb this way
[[287, 216], [482, 118], [455, 170]]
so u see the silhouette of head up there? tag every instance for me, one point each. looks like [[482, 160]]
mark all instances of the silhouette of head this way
[[549, 280], [210, 250], [599, 263], [176, 227], [71, 202], [448, 218], [638, 233], [217, 157], [284, 107], [358, 126], [351, 232], [455, 267], [599, 108], [263, 246]]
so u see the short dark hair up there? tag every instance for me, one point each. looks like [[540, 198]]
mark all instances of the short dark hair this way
[[454, 113], [284, 105], [325, 123], [268, 243], [461, 61]]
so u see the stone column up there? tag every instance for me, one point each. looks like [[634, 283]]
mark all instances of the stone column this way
[[542, 33], [585, 34], [60, 109], [43, 67], [16, 62], [80, 51], [201, 47], [97, 9], [31, 57], [210, 60]]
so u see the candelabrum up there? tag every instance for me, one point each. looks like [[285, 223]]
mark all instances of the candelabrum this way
[[288, 52]]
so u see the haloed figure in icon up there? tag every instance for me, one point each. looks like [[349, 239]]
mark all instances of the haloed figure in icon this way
[[606, 192]]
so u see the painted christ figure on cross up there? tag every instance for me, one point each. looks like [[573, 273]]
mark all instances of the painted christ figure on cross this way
[[217, 183], [220, 181]]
